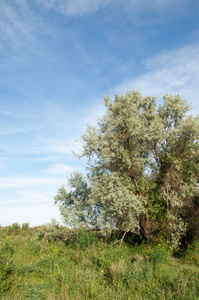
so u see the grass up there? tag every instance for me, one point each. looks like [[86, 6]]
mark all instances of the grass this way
[[52, 262]]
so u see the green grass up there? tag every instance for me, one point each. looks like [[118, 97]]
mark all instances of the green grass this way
[[52, 262]]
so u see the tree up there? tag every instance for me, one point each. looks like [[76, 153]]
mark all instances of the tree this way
[[142, 170]]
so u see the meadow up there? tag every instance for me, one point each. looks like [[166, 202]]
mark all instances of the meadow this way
[[52, 262]]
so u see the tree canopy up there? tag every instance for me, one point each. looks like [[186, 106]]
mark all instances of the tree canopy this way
[[142, 173]]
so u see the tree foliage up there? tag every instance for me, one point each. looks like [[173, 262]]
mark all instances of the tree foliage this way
[[142, 170]]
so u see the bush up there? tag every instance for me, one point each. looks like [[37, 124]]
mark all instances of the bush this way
[[81, 237], [14, 228], [53, 232], [192, 254], [160, 254], [7, 269], [6, 246], [25, 226], [85, 238]]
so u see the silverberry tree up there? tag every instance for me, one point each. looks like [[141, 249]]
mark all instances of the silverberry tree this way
[[142, 173]]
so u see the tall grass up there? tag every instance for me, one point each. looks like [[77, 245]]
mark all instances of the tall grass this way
[[52, 262]]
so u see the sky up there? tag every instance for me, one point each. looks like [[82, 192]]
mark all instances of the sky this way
[[57, 60]]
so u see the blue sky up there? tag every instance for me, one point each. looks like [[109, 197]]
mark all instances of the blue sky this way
[[57, 60]]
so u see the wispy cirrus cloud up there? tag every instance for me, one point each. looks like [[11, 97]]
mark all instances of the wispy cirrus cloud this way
[[49, 129], [21, 24], [23, 182], [86, 7], [10, 130], [74, 7], [14, 24], [175, 72], [16, 115], [29, 199], [58, 169], [21, 29]]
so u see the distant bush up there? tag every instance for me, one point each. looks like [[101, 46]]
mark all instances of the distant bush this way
[[25, 226], [81, 237], [14, 228], [53, 232]]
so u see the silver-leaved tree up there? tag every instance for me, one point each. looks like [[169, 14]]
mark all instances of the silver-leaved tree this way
[[143, 169]]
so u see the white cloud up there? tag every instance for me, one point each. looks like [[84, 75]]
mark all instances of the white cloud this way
[[16, 115], [51, 130], [31, 195], [74, 7], [92, 115], [22, 181], [32, 214], [175, 72], [9, 130], [58, 169], [13, 26], [48, 158], [28, 196], [55, 146], [83, 7], [3, 163], [20, 30], [29, 200]]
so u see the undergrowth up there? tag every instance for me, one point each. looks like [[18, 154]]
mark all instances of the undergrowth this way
[[52, 262]]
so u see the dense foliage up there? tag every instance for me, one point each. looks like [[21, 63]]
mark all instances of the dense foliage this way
[[142, 170], [52, 262]]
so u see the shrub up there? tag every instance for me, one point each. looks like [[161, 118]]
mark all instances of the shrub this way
[[85, 237], [54, 232], [192, 254], [25, 226], [7, 269], [160, 254], [14, 228]]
